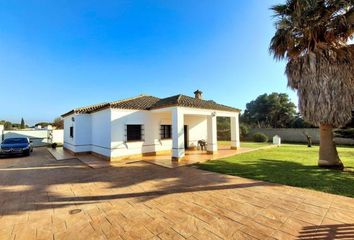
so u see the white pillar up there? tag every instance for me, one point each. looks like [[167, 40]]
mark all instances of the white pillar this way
[[212, 144], [235, 132], [177, 134]]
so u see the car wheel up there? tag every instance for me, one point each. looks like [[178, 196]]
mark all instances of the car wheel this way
[[27, 153]]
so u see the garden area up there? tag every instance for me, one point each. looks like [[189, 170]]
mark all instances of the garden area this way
[[290, 164]]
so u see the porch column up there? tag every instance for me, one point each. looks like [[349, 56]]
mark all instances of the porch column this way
[[235, 132], [177, 134], [212, 146]]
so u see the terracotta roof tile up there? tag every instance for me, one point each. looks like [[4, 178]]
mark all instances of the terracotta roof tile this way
[[144, 102], [87, 109], [186, 101], [140, 103]]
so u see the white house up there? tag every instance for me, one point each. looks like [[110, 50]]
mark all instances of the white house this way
[[147, 125]]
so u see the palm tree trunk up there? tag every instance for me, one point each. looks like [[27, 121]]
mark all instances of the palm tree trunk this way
[[328, 152]]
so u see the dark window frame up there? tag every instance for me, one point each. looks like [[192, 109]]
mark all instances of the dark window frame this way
[[166, 131], [134, 132], [71, 132]]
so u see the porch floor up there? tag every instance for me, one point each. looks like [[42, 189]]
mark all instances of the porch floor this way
[[194, 156]]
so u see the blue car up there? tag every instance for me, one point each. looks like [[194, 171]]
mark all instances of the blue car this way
[[15, 146]]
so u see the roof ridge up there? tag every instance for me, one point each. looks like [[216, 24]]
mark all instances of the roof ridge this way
[[90, 106]]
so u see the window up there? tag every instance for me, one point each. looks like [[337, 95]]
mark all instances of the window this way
[[166, 131], [134, 133], [71, 132]]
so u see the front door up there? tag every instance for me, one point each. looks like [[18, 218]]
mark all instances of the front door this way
[[185, 136]]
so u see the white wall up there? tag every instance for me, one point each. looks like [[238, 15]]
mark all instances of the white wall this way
[[1, 131], [81, 141], [69, 142], [296, 135], [151, 123], [39, 137], [104, 131], [101, 132], [197, 129], [58, 136]]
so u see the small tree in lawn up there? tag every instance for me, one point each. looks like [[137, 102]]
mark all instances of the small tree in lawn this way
[[312, 35], [22, 126]]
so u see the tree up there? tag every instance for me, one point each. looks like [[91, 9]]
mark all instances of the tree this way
[[7, 124], [299, 122], [58, 123], [22, 126], [313, 37], [273, 110], [223, 128], [43, 124]]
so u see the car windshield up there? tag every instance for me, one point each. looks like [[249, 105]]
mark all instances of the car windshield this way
[[15, 140]]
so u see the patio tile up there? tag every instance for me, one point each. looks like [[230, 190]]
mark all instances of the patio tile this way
[[189, 227], [346, 216], [170, 234], [24, 231], [223, 227], [42, 234], [321, 211], [158, 225], [283, 236], [318, 203], [242, 236], [272, 223], [275, 213], [204, 234], [294, 226], [139, 232], [6, 232], [140, 200], [257, 230], [307, 217]]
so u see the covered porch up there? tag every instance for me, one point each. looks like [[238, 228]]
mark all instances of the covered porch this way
[[189, 127], [193, 156]]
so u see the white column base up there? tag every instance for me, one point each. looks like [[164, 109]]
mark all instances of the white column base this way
[[235, 132], [178, 154]]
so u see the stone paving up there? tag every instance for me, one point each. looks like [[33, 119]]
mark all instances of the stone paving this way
[[41, 198]]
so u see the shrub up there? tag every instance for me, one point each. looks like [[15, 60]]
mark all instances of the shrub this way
[[260, 137]]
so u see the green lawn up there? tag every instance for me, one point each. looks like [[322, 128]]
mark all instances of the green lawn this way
[[246, 144], [294, 165]]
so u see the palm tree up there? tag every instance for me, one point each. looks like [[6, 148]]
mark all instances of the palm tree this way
[[312, 35]]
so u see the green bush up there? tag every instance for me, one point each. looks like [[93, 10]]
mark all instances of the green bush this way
[[260, 137]]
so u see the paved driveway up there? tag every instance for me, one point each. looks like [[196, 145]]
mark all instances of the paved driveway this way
[[41, 198]]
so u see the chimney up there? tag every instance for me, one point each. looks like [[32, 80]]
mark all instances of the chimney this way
[[198, 94]]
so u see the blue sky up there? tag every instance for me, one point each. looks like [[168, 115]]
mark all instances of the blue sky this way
[[58, 55]]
